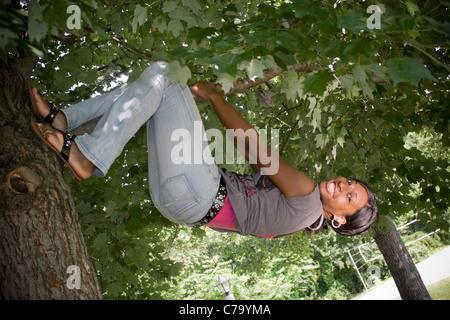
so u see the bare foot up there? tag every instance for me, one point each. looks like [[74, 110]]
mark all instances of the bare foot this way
[[77, 161], [43, 107]]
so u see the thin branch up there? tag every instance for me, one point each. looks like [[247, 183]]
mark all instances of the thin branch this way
[[244, 85], [274, 116], [286, 140], [129, 46]]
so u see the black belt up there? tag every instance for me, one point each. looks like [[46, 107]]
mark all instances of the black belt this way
[[215, 208]]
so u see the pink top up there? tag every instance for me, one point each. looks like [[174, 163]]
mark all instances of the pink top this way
[[225, 220]]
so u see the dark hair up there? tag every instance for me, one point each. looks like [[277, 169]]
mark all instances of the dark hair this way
[[356, 223]]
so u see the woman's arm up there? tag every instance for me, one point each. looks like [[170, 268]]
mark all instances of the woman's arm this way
[[228, 116], [289, 180]]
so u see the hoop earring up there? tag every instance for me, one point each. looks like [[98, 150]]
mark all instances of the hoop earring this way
[[335, 226]]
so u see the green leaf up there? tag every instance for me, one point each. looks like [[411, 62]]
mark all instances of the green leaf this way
[[292, 85], [84, 56], [353, 21], [334, 48], [175, 27], [345, 172], [358, 46], [317, 82], [408, 70], [321, 140], [307, 8], [284, 59], [115, 288], [140, 17], [101, 241], [199, 33], [341, 137], [5, 35], [178, 53], [227, 82], [83, 207], [178, 73], [90, 3], [359, 74], [147, 41], [37, 28], [182, 13], [411, 7], [254, 68], [160, 24], [169, 6]]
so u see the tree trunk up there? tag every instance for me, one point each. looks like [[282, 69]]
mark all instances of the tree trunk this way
[[42, 250], [403, 270]]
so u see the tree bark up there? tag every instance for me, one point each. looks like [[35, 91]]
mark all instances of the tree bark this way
[[403, 270], [42, 249]]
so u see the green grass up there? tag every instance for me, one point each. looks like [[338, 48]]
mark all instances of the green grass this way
[[440, 290]]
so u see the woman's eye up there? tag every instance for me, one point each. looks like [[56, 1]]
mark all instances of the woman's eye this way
[[349, 181], [349, 197]]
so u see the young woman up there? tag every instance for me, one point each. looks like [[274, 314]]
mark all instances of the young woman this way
[[269, 205]]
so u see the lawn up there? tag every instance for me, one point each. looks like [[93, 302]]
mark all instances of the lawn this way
[[440, 290]]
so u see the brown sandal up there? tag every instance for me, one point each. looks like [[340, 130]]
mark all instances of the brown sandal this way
[[64, 153], [51, 115]]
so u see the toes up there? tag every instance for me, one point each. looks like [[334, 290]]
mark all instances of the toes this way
[[46, 130], [38, 99], [36, 94]]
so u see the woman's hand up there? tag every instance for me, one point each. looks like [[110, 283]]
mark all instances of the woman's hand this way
[[204, 90]]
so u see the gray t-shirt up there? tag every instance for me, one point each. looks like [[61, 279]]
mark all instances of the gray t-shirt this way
[[261, 208]]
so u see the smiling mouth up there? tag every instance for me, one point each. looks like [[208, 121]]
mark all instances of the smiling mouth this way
[[331, 186]]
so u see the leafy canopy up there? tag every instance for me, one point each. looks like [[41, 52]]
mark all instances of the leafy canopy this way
[[357, 110]]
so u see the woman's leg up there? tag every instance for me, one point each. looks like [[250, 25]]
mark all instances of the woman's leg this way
[[89, 109], [184, 192], [124, 111], [77, 114]]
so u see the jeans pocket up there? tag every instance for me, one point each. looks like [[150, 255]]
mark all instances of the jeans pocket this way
[[178, 195]]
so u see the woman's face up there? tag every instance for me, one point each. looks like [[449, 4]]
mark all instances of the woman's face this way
[[342, 197]]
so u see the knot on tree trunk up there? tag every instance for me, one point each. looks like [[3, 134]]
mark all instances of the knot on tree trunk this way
[[23, 180]]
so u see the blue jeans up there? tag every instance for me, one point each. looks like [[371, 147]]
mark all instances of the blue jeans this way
[[183, 193]]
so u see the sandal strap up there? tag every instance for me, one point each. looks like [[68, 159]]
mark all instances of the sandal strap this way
[[52, 114], [68, 140]]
